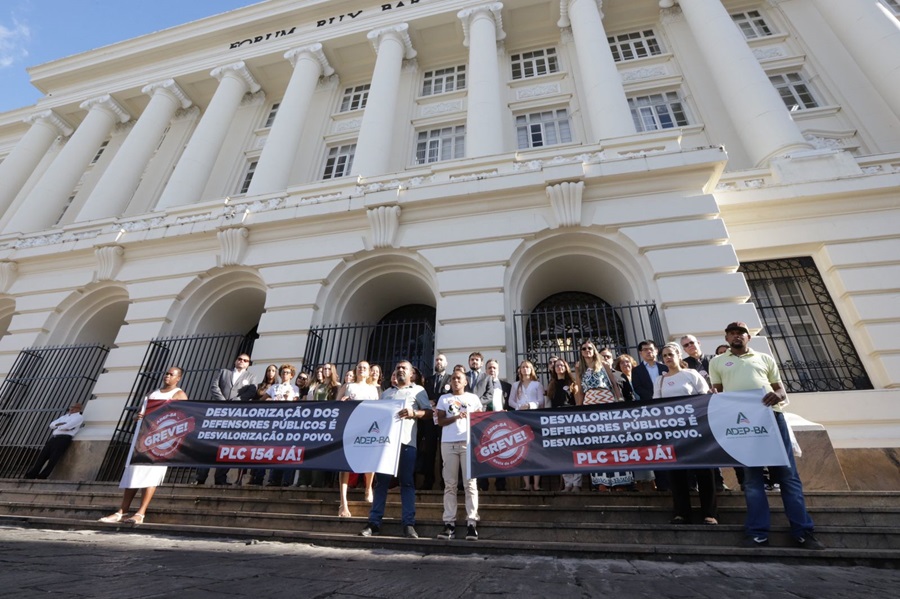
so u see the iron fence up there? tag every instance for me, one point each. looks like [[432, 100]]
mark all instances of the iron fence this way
[[383, 344], [201, 357], [42, 384], [559, 330]]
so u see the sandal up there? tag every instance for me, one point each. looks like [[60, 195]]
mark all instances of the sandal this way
[[112, 518], [369, 496], [136, 519], [344, 512], [711, 521]]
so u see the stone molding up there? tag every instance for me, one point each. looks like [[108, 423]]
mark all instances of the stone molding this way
[[109, 261], [51, 118], [493, 9], [384, 222], [564, 20], [9, 271], [171, 88], [401, 31], [240, 70], [233, 244], [109, 104], [315, 51], [566, 201]]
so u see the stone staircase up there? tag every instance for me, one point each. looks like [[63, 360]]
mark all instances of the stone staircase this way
[[859, 528]]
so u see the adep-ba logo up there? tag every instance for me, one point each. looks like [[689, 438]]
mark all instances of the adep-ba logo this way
[[504, 445], [166, 434], [747, 430], [372, 437]]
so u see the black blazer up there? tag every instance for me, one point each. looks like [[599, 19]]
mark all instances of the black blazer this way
[[641, 381], [243, 390], [437, 385], [483, 388]]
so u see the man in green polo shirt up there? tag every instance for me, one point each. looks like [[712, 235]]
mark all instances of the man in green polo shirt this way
[[742, 369]]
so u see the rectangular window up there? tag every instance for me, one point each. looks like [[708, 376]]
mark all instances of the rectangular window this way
[[534, 64], [794, 91], [436, 145], [100, 152], [657, 111], [270, 118], [355, 98], [339, 161], [629, 46], [248, 176], [806, 334], [540, 129], [752, 24], [440, 81]]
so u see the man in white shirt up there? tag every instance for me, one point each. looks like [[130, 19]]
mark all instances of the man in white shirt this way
[[453, 411], [64, 430]]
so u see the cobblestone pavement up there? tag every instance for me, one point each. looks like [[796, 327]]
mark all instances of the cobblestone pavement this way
[[100, 564]]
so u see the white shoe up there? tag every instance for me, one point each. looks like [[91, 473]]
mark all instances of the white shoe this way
[[112, 518]]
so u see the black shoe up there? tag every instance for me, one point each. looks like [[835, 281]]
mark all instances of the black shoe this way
[[471, 533], [223, 484], [371, 530], [808, 541], [409, 531], [753, 542], [448, 532]]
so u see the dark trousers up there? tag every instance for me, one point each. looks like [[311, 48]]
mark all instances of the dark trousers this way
[[428, 439], [681, 492], [52, 452], [220, 477]]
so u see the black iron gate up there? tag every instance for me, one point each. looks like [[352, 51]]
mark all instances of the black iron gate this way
[[384, 344], [559, 330], [201, 357], [42, 384]]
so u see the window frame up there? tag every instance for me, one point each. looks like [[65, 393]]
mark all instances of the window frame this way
[[792, 87], [520, 63], [354, 98], [562, 127], [668, 99], [247, 179], [440, 139], [332, 162], [271, 115], [647, 43], [753, 22], [458, 75]]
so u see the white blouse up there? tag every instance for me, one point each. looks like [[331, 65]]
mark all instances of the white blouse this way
[[686, 382], [531, 396]]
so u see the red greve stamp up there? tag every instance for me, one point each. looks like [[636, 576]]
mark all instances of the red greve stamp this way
[[166, 434], [504, 444]]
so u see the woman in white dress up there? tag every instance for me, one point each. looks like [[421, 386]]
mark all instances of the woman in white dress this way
[[528, 394], [141, 476], [361, 389]]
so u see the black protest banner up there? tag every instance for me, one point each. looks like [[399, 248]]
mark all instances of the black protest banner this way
[[358, 436], [700, 431]]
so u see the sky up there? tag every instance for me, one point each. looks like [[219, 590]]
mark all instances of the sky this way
[[33, 32]]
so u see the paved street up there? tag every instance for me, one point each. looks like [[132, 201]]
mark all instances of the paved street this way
[[99, 564]]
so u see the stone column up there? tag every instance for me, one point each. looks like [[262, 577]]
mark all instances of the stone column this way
[[604, 98], [193, 169], [48, 198], [483, 28], [46, 126], [283, 143], [373, 148], [758, 113], [117, 185], [872, 37]]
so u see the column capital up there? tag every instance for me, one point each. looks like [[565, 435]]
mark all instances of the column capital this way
[[171, 88], [108, 104], [313, 50], [564, 12], [493, 10], [401, 31], [240, 71], [51, 118]]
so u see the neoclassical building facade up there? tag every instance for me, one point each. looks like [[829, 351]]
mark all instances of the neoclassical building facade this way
[[515, 175]]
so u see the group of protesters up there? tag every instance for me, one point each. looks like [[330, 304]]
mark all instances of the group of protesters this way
[[441, 403]]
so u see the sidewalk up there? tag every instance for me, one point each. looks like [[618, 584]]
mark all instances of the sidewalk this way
[[113, 565]]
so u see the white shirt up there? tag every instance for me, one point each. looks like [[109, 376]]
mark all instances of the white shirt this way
[[67, 424], [362, 391], [686, 382], [416, 398], [284, 392], [458, 431], [531, 397]]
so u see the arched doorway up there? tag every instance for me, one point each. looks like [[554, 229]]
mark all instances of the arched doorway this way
[[406, 333]]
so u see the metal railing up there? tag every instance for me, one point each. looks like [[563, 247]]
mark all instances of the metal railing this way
[[201, 357], [42, 384], [383, 344], [559, 330]]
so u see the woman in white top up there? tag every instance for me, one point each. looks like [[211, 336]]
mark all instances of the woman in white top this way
[[141, 476], [286, 390], [362, 389], [528, 394], [677, 382]]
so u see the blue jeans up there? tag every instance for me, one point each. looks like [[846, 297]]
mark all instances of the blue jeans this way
[[758, 516], [406, 472]]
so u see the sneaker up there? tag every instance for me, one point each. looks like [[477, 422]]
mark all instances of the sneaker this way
[[471, 533], [753, 542], [371, 530], [448, 532], [409, 531], [809, 542]]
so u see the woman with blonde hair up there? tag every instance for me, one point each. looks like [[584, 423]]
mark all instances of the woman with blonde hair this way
[[361, 389], [527, 394]]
